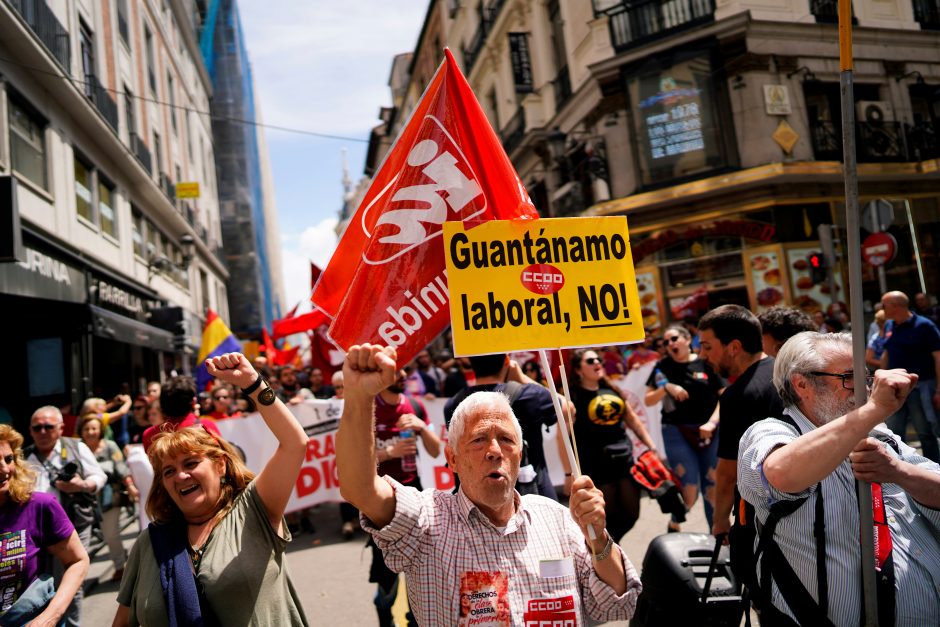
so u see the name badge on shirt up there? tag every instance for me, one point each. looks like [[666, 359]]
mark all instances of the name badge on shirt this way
[[549, 569]]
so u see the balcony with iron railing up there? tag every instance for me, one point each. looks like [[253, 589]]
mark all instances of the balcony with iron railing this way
[[635, 23], [514, 131], [876, 142], [927, 12], [140, 150], [922, 141], [43, 22], [102, 100], [488, 15]]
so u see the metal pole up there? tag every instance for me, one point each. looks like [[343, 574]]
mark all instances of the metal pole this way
[[920, 265], [853, 254]]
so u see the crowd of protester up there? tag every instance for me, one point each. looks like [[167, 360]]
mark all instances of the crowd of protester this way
[[712, 378]]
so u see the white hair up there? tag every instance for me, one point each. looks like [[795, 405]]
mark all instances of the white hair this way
[[48, 408], [479, 403], [804, 353]]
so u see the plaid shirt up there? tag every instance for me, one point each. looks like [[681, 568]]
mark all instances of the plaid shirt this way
[[437, 539]]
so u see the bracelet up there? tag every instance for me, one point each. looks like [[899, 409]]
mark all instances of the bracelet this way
[[254, 386], [607, 547]]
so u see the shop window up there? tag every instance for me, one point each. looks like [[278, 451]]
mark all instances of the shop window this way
[[84, 200], [676, 114], [28, 142], [138, 224], [106, 207]]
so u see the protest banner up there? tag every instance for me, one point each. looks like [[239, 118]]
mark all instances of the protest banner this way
[[561, 282], [386, 282], [317, 481]]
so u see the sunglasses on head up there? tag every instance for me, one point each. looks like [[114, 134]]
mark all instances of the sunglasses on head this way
[[592, 361], [43, 427]]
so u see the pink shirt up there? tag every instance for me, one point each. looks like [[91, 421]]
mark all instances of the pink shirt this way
[[462, 570]]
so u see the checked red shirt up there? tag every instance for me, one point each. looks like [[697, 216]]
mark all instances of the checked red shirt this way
[[463, 570]]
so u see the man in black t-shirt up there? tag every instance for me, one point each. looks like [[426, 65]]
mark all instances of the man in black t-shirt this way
[[731, 344], [531, 403]]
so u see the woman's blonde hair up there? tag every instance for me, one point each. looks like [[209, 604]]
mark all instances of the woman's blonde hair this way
[[91, 405], [200, 442], [23, 479]]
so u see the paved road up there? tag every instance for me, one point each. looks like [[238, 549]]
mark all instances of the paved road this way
[[331, 575]]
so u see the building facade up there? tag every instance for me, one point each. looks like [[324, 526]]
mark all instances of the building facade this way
[[246, 202], [715, 127], [106, 272]]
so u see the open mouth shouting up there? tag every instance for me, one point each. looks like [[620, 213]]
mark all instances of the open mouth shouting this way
[[184, 492]]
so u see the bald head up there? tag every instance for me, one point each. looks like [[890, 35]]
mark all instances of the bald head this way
[[896, 306]]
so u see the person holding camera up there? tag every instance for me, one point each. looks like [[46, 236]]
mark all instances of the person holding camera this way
[[67, 468]]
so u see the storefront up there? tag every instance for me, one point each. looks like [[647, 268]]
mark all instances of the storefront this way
[[74, 330], [758, 255]]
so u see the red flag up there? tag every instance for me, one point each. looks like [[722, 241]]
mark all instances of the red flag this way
[[270, 351], [298, 324], [286, 356], [386, 282], [324, 354], [315, 272]]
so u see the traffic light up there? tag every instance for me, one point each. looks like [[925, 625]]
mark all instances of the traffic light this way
[[817, 267]]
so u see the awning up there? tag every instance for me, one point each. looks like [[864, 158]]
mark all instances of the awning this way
[[113, 326]]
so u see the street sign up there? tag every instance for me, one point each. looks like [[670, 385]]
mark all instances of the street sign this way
[[187, 190], [879, 249]]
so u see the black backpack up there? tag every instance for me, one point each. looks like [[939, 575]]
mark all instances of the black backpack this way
[[775, 567]]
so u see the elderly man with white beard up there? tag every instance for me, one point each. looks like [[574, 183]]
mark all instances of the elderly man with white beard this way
[[811, 458]]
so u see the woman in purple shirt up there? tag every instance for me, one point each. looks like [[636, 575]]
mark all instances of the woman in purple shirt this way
[[32, 523]]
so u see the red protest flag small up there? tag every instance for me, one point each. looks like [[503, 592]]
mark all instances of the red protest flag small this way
[[386, 283], [298, 324], [315, 273]]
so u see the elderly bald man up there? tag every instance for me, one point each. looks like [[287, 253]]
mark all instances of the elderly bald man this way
[[459, 552]]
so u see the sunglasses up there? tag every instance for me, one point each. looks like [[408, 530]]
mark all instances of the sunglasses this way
[[670, 340], [43, 427], [592, 361]]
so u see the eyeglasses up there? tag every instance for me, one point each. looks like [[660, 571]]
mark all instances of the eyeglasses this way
[[670, 340], [592, 361], [848, 378], [43, 427]]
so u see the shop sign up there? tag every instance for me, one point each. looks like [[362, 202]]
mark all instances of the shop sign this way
[[879, 249], [187, 189], [41, 275], [777, 100], [749, 229], [110, 296], [524, 285]]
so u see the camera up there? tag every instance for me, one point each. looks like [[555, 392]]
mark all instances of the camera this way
[[67, 472]]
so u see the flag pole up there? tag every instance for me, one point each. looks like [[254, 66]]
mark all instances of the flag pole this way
[[853, 254], [563, 425]]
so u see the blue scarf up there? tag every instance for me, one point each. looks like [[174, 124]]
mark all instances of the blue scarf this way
[[176, 575]]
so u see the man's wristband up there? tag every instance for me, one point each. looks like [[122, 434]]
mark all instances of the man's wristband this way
[[605, 553]]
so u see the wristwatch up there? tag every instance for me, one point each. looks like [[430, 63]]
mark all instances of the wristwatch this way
[[265, 396], [607, 547]]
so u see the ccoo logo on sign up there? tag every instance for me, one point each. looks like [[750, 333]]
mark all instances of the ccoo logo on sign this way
[[542, 278]]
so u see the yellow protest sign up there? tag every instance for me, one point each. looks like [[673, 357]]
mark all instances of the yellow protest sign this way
[[528, 284], [187, 190]]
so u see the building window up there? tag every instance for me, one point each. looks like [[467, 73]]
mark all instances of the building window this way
[[28, 143], [138, 224], [151, 74], [84, 202], [157, 153], [106, 207], [122, 22], [170, 90], [189, 135], [88, 57], [129, 118], [154, 245]]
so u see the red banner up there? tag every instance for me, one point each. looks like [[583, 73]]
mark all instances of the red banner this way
[[386, 282]]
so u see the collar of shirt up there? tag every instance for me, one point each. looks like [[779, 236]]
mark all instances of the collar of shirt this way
[[467, 508], [800, 418]]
